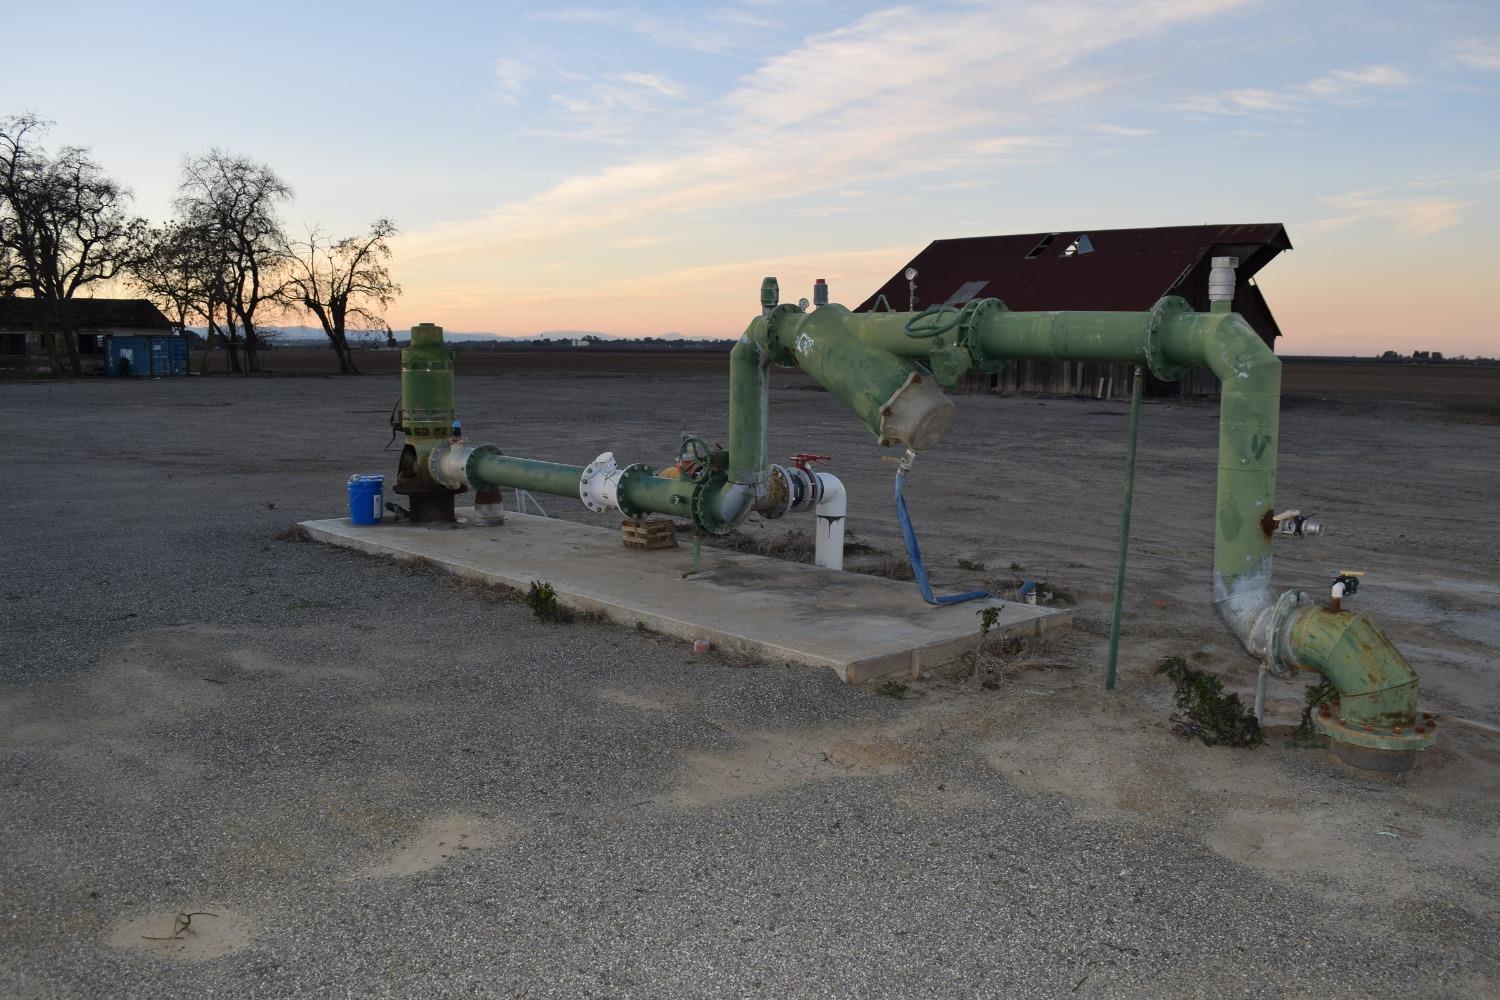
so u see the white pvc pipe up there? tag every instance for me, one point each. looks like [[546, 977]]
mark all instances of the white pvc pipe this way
[[833, 503]]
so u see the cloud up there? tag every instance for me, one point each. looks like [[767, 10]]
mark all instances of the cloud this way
[[1411, 217], [1341, 86], [652, 82], [872, 99], [1125, 130], [613, 108], [671, 33], [510, 76], [1477, 53]]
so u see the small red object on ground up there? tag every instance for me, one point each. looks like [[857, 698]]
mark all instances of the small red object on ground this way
[[700, 645]]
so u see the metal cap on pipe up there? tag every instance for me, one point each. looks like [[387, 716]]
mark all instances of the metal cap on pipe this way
[[1221, 279]]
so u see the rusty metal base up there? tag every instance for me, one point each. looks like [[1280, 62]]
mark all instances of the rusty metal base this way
[[1387, 762], [430, 507]]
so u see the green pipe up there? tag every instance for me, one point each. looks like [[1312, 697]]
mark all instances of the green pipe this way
[[489, 469], [1377, 690], [640, 492], [1169, 339], [749, 415], [1130, 440], [896, 399]]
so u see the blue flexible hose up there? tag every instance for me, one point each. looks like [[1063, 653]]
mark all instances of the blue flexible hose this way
[[914, 552]]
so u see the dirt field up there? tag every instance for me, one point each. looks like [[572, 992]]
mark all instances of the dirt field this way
[[369, 780], [1470, 388]]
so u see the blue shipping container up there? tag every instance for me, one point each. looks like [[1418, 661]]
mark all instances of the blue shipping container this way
[[145, 356]]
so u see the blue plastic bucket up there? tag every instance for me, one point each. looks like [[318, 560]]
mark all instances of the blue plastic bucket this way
[[366, 496]]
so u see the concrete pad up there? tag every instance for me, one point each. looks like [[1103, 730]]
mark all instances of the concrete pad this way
[[863, 627]]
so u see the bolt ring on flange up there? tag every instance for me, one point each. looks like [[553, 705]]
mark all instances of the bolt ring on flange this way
[[638, 469], [1277, 660], [1167, 308], [973, 313]]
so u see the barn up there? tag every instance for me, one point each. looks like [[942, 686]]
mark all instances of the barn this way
[[1088, 269], [115, 336]]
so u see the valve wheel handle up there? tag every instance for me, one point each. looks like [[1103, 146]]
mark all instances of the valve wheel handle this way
[[692, 459], [915, 328]]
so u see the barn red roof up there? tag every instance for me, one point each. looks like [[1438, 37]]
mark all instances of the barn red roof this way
[[1093, 269]]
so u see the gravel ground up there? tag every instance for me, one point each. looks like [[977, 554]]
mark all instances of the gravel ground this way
[[365, 779]]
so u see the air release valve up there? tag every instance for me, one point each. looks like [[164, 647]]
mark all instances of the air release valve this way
[[1346, 584], [1296, 524]]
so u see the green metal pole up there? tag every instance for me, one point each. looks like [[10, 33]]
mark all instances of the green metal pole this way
[[1114, 617]]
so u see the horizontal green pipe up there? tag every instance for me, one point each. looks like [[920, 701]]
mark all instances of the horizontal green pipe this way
[[640, 492], [489, 469]]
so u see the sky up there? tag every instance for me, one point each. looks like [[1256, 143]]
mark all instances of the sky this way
[[636, 170]]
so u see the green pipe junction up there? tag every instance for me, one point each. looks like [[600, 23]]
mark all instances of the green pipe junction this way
[[890, 368]]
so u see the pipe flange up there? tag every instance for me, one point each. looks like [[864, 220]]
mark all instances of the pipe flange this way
[[1167, 308], [1278, 659], [778, 497], [780, 352], [597, 485], [705, 516], [451, 463], [1398, 738], [973, 314], [638, 469]]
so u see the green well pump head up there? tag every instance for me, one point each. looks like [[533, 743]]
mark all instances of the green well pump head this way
[[427, 419]]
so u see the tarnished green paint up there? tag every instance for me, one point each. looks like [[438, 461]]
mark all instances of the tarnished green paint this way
[[866, 359], [826, 344], [489, 469], [639, 492], [426, 404], [1377, 703], [427, 384], [1170, 339], [1249, 412], [749, 414]]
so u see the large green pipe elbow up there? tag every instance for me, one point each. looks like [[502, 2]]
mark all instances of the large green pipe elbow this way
[[1376, 707], [899, 402]]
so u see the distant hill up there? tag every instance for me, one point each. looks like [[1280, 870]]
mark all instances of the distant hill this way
[[314, 335]]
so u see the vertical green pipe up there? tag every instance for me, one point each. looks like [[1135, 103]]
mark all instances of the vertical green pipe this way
[[1114, 617], [749, 406]]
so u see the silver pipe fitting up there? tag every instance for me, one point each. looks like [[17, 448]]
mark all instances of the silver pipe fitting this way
[[1221, 279]]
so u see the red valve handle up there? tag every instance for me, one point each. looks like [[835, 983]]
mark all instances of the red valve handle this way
[[803, 460]]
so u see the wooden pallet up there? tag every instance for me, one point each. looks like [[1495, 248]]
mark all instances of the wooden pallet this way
[[648, 533]]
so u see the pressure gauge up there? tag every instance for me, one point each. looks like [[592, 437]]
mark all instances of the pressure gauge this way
[[911, 274]]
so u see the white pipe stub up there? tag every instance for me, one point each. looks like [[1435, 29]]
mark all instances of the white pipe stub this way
[[833, 504]]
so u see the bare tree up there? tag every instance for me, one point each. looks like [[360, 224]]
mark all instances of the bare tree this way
[[64, 223], [343, 281], [170, 271], [232, 202]]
